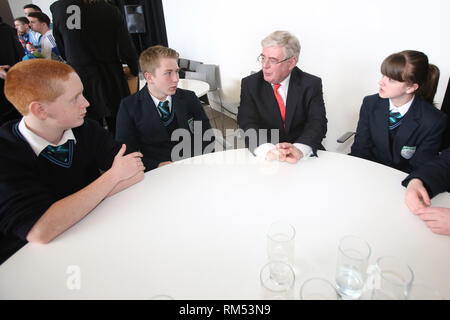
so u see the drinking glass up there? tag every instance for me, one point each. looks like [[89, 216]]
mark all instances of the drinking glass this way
[[277, 280], [318, 289], [352, 261], [394, 279], [280, 242]]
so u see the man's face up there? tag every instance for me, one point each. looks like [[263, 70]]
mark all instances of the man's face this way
[[164, 81], [36, 25], [69, 109], [273, 71], [27, 11], [21, 27]]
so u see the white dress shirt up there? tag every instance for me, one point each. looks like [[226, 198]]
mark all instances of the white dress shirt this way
[[157, 101], [402, 109], [262, 150], [38, 143]]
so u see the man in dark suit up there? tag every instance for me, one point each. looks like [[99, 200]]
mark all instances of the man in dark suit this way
[[11, 53], [151, 119], [425, 182], [92, 37], [285, 101]]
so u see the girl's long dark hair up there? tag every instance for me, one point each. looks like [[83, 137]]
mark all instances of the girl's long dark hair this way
[[412, 67]]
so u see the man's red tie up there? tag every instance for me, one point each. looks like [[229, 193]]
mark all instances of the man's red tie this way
[[280, 102]]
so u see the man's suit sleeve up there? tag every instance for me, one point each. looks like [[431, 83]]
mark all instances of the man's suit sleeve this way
[[363, 143], [435, 174], [316, 125], [127, 51]]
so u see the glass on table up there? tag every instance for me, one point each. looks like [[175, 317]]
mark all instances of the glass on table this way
[[277, 279], [281, 242], [393, 279], [351, 268], [318, 289]]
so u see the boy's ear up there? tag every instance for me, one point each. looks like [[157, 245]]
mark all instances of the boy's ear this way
[[147, 76], [38, 110]]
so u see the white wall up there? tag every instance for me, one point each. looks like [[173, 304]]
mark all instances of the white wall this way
[[44, 5], [17, 7], [343, 42]]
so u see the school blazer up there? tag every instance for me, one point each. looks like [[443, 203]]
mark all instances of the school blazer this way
[[435, 174], [305, 120], [417, 141], [140, 127]]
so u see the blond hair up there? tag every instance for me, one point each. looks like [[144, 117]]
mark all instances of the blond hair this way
[[149, 59]]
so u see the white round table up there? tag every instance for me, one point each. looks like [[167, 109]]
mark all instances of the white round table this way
[[196, 229]]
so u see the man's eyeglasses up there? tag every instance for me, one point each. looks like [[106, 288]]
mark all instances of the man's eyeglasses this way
[[270, 61]]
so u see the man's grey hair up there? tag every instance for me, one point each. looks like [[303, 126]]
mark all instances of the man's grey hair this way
[[283, 39]]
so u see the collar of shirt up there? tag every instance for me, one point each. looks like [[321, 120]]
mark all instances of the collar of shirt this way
[[38, 143], [157, 101], [402, 109], [283, 89]]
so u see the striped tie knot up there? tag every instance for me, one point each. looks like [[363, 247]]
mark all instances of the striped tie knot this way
[[395, 119], [163, 107]]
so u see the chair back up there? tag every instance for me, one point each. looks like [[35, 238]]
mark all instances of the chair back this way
[[210, 75], [195, 76], [193, 65]]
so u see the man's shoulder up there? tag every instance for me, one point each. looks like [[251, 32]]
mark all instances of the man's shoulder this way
[[254, 77], [305, 78]]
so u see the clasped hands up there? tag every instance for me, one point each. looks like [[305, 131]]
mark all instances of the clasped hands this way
[[285, 152]]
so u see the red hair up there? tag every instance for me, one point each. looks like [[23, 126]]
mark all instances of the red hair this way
[[35, 80]]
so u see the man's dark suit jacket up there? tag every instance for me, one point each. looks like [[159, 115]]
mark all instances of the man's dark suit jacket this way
[[140, 127], [435, 174], [96, 51], [11, 53], [422, 128], [306, 120]]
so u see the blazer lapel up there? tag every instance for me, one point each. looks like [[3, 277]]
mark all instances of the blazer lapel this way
[[293, 97], [154, 117], [410, 122], [180, 111], [381, 118]]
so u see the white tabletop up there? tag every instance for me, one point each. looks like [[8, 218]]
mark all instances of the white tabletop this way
[[199, 87], [196, 229]]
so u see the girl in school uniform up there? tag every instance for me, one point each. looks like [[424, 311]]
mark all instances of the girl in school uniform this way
[[399, 127]]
